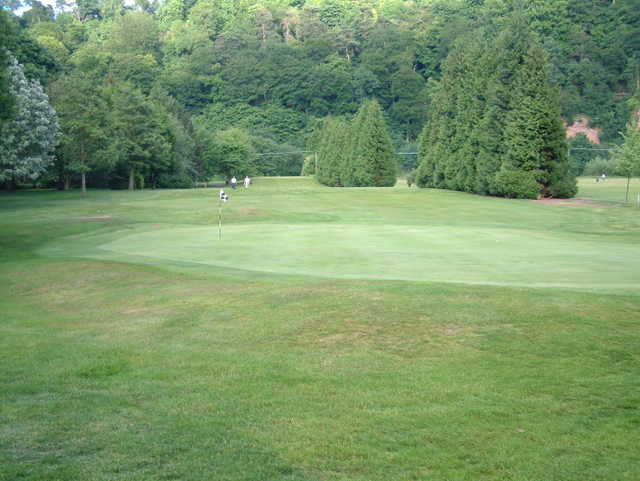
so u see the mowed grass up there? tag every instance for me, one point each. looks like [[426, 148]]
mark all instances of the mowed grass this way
[[136, 346], [613, 189]]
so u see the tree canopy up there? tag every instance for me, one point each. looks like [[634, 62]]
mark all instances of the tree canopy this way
[[496, 126], [275, 68]]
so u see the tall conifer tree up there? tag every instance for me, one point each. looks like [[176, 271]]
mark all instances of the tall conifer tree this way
[[535, 159], [495, 126], [332, 152], [372, 162]]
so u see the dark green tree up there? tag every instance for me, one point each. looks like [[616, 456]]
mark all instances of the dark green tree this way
[[495, 125], [83, 121], [332, 152], [7, 100], [230, 153], [371, 160], [137, 144], [534, 138]]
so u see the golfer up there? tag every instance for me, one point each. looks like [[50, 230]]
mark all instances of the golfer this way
[[234, 182], [247, 181]]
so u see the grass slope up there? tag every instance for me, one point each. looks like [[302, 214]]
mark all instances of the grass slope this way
[[132, 363]]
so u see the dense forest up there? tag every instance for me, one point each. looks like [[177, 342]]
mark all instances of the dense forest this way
[[167, 93]]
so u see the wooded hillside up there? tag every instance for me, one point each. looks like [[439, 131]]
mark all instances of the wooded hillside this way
[[214, 83]]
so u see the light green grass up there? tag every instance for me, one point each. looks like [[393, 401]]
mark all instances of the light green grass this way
[[613, 189], [403, 234], [130, 351]]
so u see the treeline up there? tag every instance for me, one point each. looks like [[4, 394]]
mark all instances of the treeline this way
[[218, 82]]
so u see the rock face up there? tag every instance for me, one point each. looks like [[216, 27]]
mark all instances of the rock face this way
[[581, 126]]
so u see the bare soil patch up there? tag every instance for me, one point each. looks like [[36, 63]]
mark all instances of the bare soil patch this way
[[250, 211], [89, 218], [581, 127], [571, 202]]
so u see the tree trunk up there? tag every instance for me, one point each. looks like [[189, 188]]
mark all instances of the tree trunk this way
[[131, 180], [626, 197], [67, 182], [287, 32], [84, 183]]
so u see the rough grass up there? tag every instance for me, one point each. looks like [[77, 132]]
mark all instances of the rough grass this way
[[113, 368]]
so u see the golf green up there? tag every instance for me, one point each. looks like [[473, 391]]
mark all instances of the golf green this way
[[480, 255]]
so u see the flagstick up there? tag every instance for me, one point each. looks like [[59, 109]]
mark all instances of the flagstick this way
[[219, 219]]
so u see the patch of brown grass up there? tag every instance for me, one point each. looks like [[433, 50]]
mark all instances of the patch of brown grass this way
[[571, 202], [250, 211], [89, 218]]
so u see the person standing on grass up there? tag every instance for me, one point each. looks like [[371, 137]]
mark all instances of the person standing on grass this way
[[247, 181], [234, 182]]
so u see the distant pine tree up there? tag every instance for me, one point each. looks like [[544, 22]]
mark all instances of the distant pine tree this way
[[350, 172], [534, 139], [332, 152], [371, 161], [495, 125]]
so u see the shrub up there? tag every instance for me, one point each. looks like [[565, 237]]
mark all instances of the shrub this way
[[518, 184]]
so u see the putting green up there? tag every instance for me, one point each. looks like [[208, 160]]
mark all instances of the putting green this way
[[409, 252]]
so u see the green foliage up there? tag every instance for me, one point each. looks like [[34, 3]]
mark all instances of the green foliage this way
[[270, 121], [274, 67], [372, 161], [411, 177], [627, 155], [83, 119], [333, 152], [600, 165], [278, 164], [495, 126], [518, 184], [138, 144], [309, 165], [28, 139], [7, 100], [580, 154], [230, 153], [534, 136]]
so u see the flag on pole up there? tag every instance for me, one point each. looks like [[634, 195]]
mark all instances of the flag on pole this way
[[224, 198]]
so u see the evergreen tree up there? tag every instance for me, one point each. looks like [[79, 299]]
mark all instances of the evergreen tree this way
[[332, 152], [372, 160], [495, 125], [28, 139], [535, 147]]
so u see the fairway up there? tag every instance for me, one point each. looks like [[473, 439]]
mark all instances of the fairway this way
[[367, 334]]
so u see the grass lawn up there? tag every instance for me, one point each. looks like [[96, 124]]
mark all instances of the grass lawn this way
[[332, 334]]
